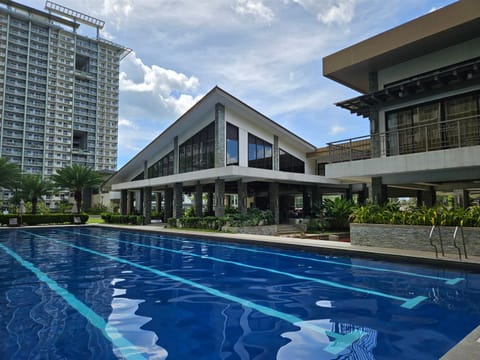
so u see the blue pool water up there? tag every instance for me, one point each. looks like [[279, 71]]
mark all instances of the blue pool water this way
[[97, 293]]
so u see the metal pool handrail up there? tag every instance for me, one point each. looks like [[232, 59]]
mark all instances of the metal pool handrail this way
[[440, 238], [463, 242]]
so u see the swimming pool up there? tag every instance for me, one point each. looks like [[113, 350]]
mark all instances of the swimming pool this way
[[104, 293]]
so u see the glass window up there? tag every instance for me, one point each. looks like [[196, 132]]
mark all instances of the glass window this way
[[198, 152], [162, 167], [290, 163], [232, 144], [259, 153]]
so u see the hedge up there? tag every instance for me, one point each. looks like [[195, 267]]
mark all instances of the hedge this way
[[37, 219], [123, 219]]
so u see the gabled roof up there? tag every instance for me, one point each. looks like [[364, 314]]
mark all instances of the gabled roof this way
[[182, 125], [450, 25]]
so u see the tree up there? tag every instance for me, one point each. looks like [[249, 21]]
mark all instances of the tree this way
[[77, 178], [33, 187], [9, 174]]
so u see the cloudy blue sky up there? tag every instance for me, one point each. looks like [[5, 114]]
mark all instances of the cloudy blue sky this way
[[268, 53]]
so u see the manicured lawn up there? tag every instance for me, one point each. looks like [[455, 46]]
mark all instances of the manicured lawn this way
[[95, 220]]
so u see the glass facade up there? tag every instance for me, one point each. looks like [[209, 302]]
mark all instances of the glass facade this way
[[290, 163], [447, 123], [198, 152], [162, 167], [259, 153], [232, 145]]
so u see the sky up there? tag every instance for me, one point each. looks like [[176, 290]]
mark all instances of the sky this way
[[267, 53]]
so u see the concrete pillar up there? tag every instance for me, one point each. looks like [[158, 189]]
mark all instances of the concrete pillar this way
[[220, 135], [177, 200], [307, 201], [176, 157], [210, 203], [168, 212], [147, 204], [362, 195], [276, 154], [242, 197], [198, 200], [123, 202], [145, 169], [379, 191], [158, 201], [273, 193], [219, 202], [461, 198], [130, 200], [317, 198], [348, 193], [141, 200]]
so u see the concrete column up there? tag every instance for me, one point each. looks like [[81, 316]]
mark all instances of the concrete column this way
[[461, 198], [168, 213], [362, 195], [348, 193], [273, 193], [276, 154], [307, 201], [158, 201], [219, 200], [317, 199], [176, 157], [242, 197], [177, 200], [145, 169], [147, 204], [123, 202], [379, 191], [210, 203], [199, 200], [141, 201], [220, 135], [130, 200]]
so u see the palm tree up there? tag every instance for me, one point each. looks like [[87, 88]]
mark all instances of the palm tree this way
[[9, 174], [33, 187], [77, 178]]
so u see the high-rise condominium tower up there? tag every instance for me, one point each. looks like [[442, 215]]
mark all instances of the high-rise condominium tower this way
[[58, 89]]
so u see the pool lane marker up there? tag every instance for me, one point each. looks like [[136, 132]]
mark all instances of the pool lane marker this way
[[407, 303], [125, 347], [339, 344], [448, 281]]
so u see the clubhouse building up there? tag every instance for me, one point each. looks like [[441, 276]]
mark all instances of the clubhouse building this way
[[223, 153]]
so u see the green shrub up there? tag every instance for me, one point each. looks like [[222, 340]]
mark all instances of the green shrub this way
[[337, 213], [123, 219], [439, 215]]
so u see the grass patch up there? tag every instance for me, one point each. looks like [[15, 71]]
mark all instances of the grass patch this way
[[95, 220]]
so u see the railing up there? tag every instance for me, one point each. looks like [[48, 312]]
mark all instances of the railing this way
[[416, 139]]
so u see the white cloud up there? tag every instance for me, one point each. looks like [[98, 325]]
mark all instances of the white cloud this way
[[157, 88], [336, 129], [331, 11], [256, 8], [126, 123]]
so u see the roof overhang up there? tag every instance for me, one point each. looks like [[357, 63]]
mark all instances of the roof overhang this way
[[437, 30], [227, 173]]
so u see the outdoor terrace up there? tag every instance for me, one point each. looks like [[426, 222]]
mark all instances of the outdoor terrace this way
[[451, 134]]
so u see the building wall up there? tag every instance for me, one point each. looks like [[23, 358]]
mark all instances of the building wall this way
[[449, 56]]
